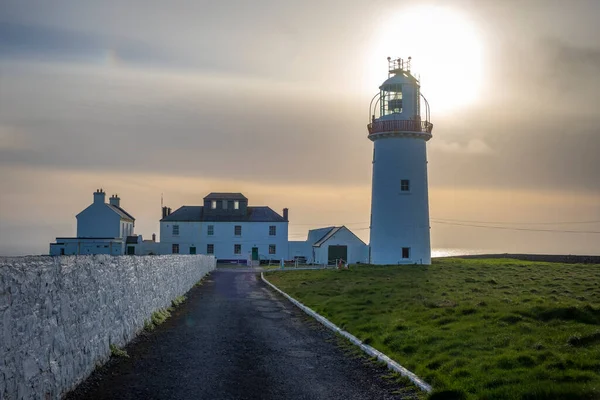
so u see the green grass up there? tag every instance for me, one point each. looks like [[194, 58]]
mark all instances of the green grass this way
[[117, 352], [487, 329]]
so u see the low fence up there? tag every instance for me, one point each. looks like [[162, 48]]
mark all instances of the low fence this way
[[59, 315]]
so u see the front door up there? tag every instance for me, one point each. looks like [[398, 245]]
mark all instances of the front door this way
[[255, 254], [130, 250], [192, 250], [337, 252]]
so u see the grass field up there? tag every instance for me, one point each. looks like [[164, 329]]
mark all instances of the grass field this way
[[485, 329]]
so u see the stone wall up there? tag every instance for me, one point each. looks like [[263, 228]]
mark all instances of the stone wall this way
[[58, 315]]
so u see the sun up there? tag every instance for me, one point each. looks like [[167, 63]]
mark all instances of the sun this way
[[446, 51]]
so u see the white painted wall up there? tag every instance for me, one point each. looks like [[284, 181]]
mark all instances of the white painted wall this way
[[300, 248], [254, 234], [358, 252], [98, 220], [190, 235], [82, 246], [399, 219]]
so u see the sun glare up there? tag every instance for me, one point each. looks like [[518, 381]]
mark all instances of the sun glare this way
[[446, 52]]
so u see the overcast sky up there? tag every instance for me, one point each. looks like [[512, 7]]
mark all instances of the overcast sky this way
[[270, 98]]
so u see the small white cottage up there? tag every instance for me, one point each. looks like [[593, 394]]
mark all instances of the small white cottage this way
[[326, 245], [102, 228]]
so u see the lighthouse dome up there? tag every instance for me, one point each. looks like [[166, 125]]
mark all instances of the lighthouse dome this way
[[399, 79]]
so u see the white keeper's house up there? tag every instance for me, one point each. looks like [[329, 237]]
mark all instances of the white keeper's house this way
[[102, 228], [226, 227]]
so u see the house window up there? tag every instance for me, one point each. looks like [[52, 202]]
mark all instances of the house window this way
[[213, 204], [406, 252], [272, 249], [210, 230], [237, 230], [175, 248], [224, 204], [192, 249], [272, 230], [236, 205], [175, 230], [405, 185], [210, 249], [237, 249]]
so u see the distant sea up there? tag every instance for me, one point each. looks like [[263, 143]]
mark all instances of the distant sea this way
[[459, 252]]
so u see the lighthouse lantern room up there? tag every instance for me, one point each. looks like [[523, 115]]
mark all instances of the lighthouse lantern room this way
[[399, 197]]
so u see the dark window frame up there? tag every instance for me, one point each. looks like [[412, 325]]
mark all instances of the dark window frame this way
[[405, 185], [405, 252]]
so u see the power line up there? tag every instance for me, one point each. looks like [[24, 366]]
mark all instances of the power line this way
[[464, 221], [512, 229], [517, 223]]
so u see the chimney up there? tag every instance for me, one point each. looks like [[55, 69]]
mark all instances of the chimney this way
[[165, 211], [285, 214], [169, 211], [99, 196], [154, 237], [115, 200]]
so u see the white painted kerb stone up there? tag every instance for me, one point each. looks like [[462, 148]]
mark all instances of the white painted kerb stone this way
[[391, 364]]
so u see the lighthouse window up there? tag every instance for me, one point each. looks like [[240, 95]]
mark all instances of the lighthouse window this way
[[406, 252], [405, 185]]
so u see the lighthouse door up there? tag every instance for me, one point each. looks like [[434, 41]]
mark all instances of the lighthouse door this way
[[337, 252]]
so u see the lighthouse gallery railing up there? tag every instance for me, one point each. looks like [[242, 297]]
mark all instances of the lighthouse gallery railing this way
[[400, 126]]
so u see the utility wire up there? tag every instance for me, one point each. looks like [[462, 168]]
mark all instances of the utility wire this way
[[517, 223], [512, 229]]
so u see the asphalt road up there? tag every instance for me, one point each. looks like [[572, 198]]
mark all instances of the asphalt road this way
[[235, 338]]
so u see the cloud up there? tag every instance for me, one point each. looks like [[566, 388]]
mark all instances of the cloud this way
[[473, 146]]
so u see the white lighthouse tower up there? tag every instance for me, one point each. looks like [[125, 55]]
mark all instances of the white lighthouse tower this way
[[399, 199]]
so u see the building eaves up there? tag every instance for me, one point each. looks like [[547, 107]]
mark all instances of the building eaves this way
[[122, 213], [329, 234]]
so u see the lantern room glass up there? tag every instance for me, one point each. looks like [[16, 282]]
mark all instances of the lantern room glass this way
[[391, 100]]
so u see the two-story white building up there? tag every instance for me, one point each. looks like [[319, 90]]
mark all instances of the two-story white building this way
[[225, 226], [102, 228]]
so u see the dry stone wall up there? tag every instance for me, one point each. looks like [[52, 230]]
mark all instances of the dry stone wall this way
[[58, 315]]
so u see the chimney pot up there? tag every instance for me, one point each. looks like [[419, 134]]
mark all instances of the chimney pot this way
[[154, 237]]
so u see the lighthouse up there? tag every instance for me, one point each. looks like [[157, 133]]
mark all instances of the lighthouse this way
[[399, 197]]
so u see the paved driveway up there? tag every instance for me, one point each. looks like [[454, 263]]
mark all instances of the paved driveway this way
[[236, 339]]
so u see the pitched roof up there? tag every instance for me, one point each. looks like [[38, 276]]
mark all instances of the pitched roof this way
[[329, 234], [122, 213], [225, 196], [195, 214], [185, 213], [332, 232]]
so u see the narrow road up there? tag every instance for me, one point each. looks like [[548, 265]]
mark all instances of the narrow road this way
[[235, 338]]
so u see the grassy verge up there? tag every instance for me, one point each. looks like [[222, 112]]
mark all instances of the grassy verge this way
[[490, 329]]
